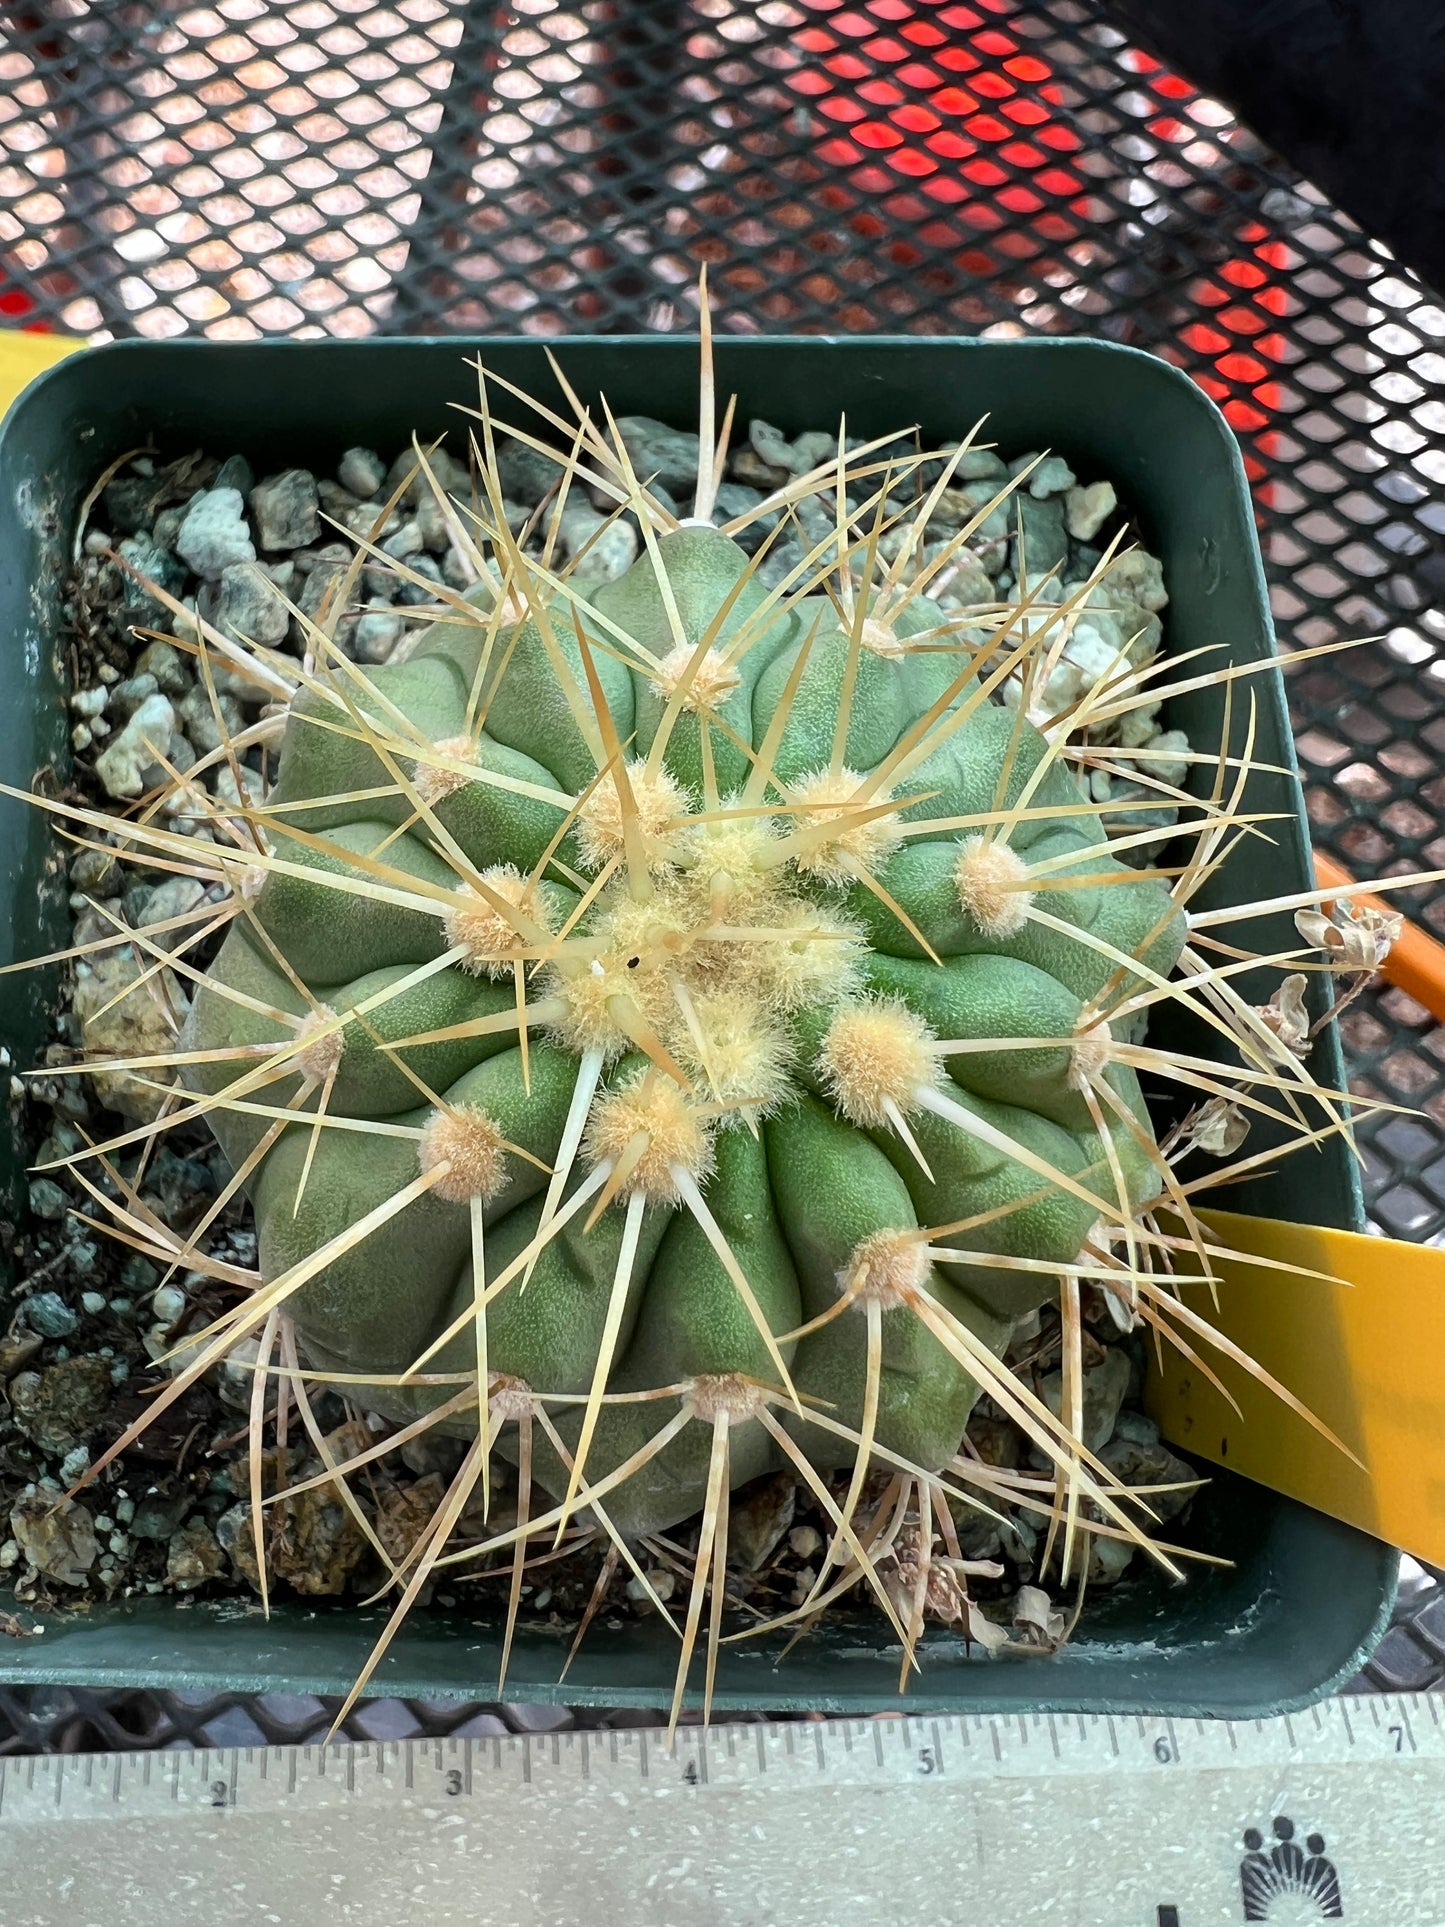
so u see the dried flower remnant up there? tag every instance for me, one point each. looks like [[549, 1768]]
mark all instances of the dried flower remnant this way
[[1352, 937], [1218, 1128], [1286, 1016]]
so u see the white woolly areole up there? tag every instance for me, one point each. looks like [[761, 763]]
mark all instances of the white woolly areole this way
[[660, 804], [881, 638], [711, 683], [432, 784], [991, 880], [726, 1392], [815, 960], [887, 1266], [509, 1398], [469, 1142], [877, 1053], [489, 937], [739, 1054], [321, 1049], [655, 1122], [858, 842], [1089, 1055]]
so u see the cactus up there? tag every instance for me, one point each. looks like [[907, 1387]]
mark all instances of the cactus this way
[[676, 1028]]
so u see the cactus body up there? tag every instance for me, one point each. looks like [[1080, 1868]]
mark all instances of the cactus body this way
[[805, 892]]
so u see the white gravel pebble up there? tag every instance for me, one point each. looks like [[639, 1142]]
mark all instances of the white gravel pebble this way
[[124, 766], [214, 533]]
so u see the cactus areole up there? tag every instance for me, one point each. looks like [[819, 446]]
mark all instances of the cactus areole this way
[[684, 1008]]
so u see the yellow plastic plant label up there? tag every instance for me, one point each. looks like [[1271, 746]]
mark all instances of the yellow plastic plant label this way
[[23, 356], [1365, 1352]]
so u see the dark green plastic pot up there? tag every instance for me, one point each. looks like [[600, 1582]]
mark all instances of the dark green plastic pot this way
[[1305, 1597]]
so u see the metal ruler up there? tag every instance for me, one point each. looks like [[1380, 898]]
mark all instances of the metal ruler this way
[[1337, 1813]]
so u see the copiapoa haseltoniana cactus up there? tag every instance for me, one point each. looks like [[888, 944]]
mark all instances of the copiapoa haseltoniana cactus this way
[[701, 1018], [754, 972]]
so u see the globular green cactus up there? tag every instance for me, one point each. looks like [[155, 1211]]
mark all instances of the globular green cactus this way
[[726, 979], [677, 1028]]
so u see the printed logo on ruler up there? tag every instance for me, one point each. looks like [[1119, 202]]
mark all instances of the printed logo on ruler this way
[[1281, 1881]]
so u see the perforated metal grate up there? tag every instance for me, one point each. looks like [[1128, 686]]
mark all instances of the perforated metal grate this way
[[1004, 167], [74, 1720]]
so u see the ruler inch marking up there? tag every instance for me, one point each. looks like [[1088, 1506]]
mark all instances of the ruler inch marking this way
[[1405, 1724]]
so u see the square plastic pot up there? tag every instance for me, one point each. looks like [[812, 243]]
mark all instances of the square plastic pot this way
[[1305, 1597]]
